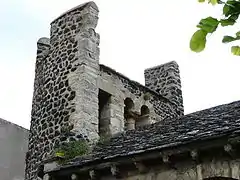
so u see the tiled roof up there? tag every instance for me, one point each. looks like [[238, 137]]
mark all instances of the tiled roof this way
[[207, 124]]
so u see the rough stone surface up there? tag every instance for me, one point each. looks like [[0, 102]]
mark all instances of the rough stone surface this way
[[165, 79], [58, 102]]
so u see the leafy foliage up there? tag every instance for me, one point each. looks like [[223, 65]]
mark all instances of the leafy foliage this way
[[231, 12], [72, 149], [198, 41]]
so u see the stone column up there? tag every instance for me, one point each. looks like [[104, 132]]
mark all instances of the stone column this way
[[117, 115], [84, 80], [130, 121]]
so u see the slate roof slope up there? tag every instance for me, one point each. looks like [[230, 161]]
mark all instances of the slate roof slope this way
[[202, 125], [4, 122]]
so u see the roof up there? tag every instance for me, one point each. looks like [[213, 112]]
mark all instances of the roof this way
[[5, 122], [207, 124]]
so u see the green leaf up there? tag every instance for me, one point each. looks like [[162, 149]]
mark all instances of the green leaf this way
[[213, 2], [59, 154], [231, 7], [238, 34], [227, 22], [198, 41], [209, 24], [235, 50], [201, 1], [227, 39], [226, 10]]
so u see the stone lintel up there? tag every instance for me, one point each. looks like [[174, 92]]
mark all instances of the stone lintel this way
[[105, 86]]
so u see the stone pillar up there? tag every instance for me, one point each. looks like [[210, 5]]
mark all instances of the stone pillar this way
[[117, 115], [84, 80], [130, 122], [65, 99], [165, 80], [143, 120]]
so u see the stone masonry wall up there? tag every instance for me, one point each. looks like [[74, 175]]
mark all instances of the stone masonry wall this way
[[121, 88], [188, 170], [65, 94], [165, 80]]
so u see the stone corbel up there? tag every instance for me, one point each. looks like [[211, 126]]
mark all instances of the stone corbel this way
[[165, 159], [46, 177], [140, 166], [93, 175], [194, 154], [115, 171], [229, 149], [74, 177]]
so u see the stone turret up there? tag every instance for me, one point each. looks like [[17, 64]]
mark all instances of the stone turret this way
[[165, 80], [65, 100]]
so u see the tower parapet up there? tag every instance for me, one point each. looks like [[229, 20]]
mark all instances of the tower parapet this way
[[65, 100], [165, 80]]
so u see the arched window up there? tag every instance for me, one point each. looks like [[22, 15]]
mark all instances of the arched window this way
[[145, 110], [145, 116], [129, 105], [128, 114], [104, 113]]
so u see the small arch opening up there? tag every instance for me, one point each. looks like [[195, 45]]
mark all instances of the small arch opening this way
[[144, 117], [145, 110], [128, 114], [129, 105], [104, 113]]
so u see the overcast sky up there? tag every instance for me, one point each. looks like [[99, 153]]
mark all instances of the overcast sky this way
[[135, 34]]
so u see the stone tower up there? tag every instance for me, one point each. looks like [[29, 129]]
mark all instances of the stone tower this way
[[65, 92], [165, 80]]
